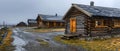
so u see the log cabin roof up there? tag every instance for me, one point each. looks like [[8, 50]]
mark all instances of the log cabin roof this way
[[32, 21], [96, 10], [21, 24], [51, 18], [101, 11]]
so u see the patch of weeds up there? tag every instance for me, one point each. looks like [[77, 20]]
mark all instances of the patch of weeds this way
[[6, 45], [38, 28], [44, 30], [98, 44]]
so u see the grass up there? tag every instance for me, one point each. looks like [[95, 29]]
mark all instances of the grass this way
[[6, 45], [45, 30], [95, 45], [42, 42]]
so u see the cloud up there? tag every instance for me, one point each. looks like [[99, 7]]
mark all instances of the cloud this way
[[14, 11]]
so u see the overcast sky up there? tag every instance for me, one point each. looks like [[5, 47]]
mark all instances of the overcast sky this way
[[14, 11]]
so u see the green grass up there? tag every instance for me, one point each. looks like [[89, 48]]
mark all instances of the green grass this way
[[95, 45]]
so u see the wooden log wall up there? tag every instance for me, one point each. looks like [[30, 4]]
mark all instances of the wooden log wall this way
[[47, 24], [102, 31], [80, 22], [86, 25]]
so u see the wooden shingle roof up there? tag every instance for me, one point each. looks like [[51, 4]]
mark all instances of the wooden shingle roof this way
[[32, 21], [96, 10], [100, 11], [51, 18]]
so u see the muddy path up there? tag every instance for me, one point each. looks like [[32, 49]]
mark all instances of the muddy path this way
[[26, 41]]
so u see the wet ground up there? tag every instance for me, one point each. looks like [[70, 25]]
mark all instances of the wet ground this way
[[26, 41]]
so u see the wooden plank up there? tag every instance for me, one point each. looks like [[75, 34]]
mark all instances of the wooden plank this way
[[54, 24], [48, 24]]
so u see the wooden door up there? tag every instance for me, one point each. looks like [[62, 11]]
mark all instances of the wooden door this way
[[73, 25]]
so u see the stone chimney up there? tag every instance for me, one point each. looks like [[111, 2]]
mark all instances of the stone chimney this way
[[92, 3], [56, 14]]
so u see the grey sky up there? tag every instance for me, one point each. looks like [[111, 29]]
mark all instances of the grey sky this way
[[14, 11]]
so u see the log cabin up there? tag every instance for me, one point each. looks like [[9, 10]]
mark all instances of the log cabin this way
[[32, 22], [89, 20], [50, 21], [21, 24]]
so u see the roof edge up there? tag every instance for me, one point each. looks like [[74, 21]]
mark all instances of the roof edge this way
[[67, 12], [80, 9], [39, 16]]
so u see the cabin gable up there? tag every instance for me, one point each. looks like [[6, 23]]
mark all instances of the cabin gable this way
[[39, 21], [74, 6], [80, 19]]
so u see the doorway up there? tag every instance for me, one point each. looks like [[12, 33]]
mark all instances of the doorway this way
[[73, 25]]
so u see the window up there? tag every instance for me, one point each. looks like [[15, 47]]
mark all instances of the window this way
[[98, 23], [117, 23], [101, 23]]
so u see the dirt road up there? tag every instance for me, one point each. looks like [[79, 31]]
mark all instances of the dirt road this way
[[27, 41]]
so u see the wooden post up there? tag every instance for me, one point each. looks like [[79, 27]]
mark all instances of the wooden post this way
[[48, 24], [110, 26], [89, 26], [54, 24], [61, 24]]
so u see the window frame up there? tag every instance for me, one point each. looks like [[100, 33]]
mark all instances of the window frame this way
[[116, 22], [102, 21]]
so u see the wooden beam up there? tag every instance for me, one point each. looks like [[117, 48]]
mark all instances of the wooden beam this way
[[61, 24], [54, 24], [48, 24]]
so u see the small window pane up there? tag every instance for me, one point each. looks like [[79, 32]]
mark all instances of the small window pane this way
[[98, 23], [117, 22]]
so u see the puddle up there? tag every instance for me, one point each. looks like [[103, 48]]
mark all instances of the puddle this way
[[18, 42]]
